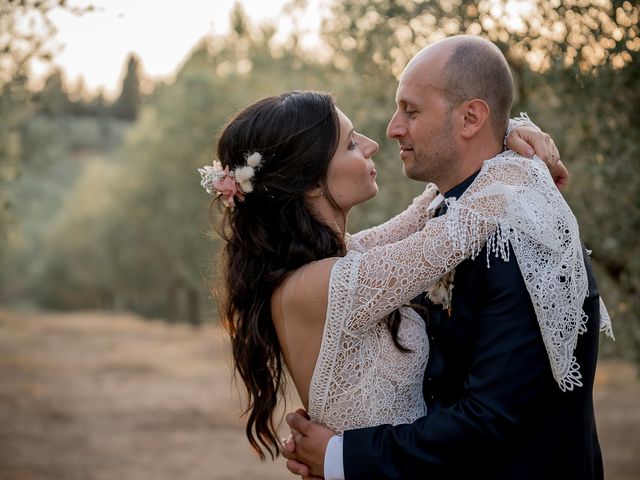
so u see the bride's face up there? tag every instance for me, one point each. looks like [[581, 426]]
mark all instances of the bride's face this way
[[351, 178]]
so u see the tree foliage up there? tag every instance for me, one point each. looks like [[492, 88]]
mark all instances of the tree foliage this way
[[26, 34], [126, 105]]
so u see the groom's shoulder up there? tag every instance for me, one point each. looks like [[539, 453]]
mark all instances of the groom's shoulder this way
[[492, 270], [494, 284], [511, 160]]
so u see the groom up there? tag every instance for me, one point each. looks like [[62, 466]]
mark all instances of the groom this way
[[495, 409]]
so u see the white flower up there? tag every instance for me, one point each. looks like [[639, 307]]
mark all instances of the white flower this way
[[244, 174], [254, 159], [247, 187], [209, 175], [217, 166]]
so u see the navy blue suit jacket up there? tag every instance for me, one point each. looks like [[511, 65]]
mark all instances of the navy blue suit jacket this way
[[495, 410]]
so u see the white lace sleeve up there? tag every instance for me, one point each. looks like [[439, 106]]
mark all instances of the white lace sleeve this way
[[388, 276], [401, 226], [521, 120]]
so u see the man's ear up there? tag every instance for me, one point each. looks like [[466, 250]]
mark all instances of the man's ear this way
[[476, 114]]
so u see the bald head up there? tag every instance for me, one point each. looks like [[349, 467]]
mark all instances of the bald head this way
[[466, 67]]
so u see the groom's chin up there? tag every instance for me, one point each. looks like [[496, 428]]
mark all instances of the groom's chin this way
[[410, 173]]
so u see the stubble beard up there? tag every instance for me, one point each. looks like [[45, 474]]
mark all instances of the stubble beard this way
[[439, 164]]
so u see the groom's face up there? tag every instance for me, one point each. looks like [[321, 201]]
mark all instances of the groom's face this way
[[422, 124]]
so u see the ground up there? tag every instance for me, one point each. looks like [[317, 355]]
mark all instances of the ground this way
[[101, 396]]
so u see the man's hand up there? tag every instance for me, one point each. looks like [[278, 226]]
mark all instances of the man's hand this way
[[305, 448], [560, 174], [528, 141]]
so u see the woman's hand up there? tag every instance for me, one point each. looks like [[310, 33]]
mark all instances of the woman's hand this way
[[528, 141]]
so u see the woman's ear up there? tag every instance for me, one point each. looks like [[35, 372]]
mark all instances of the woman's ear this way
[[476, 113], [317, 191]]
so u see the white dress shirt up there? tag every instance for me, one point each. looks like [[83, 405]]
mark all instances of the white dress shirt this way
[[333, 463]]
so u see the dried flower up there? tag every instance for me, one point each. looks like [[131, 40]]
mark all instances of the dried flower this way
[[441, 292], [230, 184]]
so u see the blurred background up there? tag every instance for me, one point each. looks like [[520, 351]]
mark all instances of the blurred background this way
[[111, 361]]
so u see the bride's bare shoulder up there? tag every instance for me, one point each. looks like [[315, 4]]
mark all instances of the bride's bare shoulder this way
[[309, 283], [304, 292]]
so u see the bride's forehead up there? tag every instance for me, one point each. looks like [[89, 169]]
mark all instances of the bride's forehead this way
[[345, 123]]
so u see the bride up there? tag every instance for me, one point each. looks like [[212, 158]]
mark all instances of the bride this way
[[299, 292]]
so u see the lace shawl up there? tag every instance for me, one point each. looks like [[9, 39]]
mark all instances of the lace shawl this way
[[544, 234], [521, 120]]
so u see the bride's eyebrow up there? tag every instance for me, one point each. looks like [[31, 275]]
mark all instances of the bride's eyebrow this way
[[349, 136]]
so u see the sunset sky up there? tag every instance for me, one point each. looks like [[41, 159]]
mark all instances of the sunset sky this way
[[162, 33]]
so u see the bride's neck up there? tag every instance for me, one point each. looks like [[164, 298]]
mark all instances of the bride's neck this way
[[336, 220], [337, 223]]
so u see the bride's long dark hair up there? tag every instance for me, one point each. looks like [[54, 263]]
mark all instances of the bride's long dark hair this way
[[272, 233]]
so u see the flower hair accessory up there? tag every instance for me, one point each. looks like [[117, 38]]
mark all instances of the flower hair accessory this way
[[230, 185]]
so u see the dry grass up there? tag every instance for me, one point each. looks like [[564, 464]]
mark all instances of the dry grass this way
[[100, 396]]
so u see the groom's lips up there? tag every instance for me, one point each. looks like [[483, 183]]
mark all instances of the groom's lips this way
[[405, 150]]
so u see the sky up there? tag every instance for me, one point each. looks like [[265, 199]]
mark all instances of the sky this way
[[162, 33]]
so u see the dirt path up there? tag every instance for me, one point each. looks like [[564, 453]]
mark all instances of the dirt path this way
[[100, 396]]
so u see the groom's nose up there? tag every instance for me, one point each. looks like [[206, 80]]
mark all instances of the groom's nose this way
[[395, 129]]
